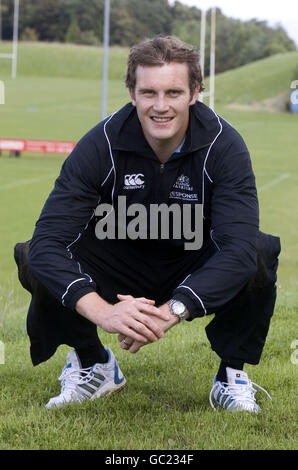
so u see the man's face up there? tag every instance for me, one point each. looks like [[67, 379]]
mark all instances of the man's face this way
[[162, 99]]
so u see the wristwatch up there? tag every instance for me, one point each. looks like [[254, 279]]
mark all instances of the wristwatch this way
[[178, 309]]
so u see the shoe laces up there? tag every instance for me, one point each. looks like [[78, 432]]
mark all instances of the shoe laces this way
[[71, 378], [243, 393]]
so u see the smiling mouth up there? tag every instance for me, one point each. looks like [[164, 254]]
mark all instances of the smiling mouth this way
[[161, 119]]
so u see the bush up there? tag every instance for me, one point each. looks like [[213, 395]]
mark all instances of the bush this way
[[88, 38], [29, 34]]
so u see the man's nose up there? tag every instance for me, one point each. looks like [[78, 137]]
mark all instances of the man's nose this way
[[160, 104]]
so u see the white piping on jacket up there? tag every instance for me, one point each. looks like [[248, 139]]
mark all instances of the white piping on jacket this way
[[211, 236], [205, 161], [113, 166], [196, 295], [203, 197], [68, 287], [201, 302]]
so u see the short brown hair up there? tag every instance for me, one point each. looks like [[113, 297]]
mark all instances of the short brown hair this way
[[161, 50]]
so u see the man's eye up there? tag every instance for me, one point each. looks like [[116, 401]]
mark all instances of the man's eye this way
[[174, 93]]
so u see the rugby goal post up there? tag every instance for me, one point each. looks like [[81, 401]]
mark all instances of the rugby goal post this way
[[14, 55], [105, 64], [211, 92]]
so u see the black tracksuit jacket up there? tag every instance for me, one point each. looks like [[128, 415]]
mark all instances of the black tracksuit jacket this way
[[213, 168]]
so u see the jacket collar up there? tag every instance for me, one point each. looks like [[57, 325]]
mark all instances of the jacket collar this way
[[202, 130]]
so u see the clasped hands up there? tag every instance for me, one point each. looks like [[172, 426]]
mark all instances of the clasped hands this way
[[150, 322], [136, 319]]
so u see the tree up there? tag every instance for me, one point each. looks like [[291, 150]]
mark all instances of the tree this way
[[73, 32]]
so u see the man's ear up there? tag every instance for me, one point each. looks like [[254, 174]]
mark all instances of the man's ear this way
[[195, 95], [133, 96]]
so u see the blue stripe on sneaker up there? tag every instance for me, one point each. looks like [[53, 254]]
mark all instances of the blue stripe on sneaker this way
[[243, 382], [117, 379]]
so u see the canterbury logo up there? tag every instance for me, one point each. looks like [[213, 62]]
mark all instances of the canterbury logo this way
[[135, 180]]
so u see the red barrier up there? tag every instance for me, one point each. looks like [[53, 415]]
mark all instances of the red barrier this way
[[42, 146]]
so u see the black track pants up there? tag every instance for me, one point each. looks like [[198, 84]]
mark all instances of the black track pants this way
[[237, 331]]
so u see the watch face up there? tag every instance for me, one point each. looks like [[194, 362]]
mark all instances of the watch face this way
[[178, 307]]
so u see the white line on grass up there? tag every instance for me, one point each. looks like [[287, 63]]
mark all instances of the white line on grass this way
[[282, 177], [24, 182]]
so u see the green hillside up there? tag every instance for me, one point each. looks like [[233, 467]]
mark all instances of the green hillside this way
[[40, 59], [255, 82]]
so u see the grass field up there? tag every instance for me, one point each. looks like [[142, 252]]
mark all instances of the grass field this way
[[165, 404]]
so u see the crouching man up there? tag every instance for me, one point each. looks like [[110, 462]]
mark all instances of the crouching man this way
[[164, 147]]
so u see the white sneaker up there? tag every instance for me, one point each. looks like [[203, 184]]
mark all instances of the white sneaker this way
[[237, 394], [77, 384]]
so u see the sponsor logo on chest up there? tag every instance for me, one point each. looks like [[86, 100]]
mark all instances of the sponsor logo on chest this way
[[134, 181], [185, 190]]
